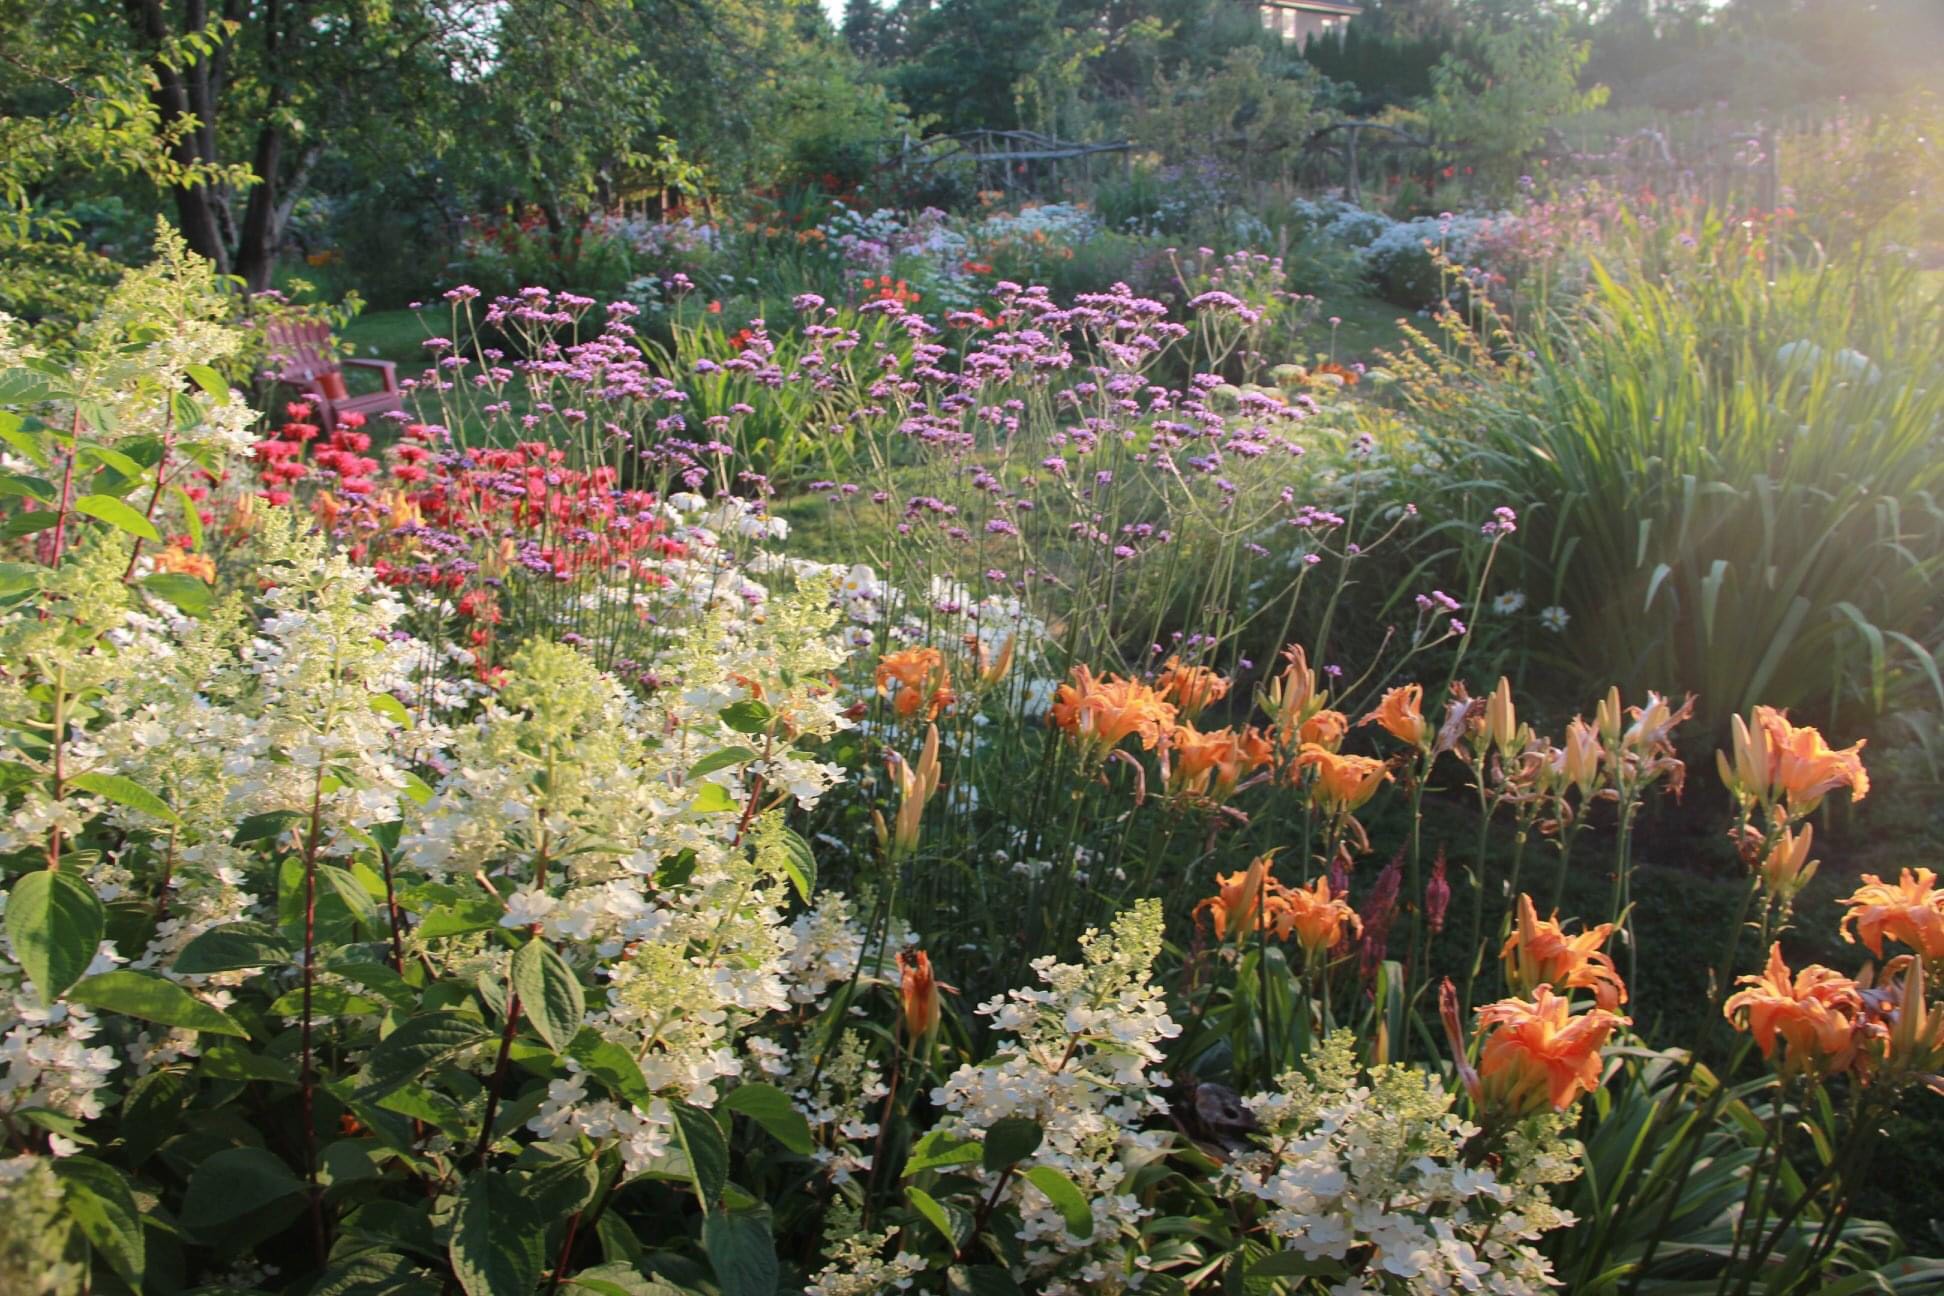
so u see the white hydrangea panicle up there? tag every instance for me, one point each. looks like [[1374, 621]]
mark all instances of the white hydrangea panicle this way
[[1078, 1055], [1374, 1171]]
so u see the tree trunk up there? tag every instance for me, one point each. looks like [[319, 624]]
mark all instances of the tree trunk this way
[[256, 243], [176, 97]]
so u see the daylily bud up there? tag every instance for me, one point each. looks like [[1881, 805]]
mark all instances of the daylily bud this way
[[1787, 868], [1608, 716], [1501, 718], [1583, 754], [915, 787]]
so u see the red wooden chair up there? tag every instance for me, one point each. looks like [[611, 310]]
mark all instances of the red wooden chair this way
[[303, 359]]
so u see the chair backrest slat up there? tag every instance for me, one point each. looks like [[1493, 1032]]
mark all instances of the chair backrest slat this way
[[300, 348]]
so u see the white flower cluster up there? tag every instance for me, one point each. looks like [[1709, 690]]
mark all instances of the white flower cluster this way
[[1076, 1055], [1374, 1174]]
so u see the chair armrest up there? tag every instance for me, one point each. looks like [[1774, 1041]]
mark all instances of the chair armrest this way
[[386, 368]]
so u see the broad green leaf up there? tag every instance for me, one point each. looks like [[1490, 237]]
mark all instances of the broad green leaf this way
[[747, 716], [122, 517], [496, 1246], [800, 863], [417, 1046], [189, 593], [127, 792], [713, 798], [1288, 1264], [721, 760], [470, 915], [210, 381], [188, 414], [21, 524], [1010, 1141], [18, 578], [1066, 1198], [55, 923], [392, 709], [612, 1065], [934, 1214], [232, 947], [24, 387], [706, 1149], [153, 998], [116, 460], [23, 486], [980, 1280], [620, 1278], [191, 517], [233, 1062], [379, 1273], [741, 1251], [550, 993], [266, 827], [938, 1149], [102, 1205], [770, 1107], [232, 1183]]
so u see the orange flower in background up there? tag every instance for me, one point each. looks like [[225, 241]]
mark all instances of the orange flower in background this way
[[176, 559], [1193, 689], [1802, 768], [1325, 729], [917, 993], [1291, 694], [1540, 953], [1813, 1014], [1401, 713], [1211, 764], [921, 680], [1538, 1054], [1910, 911], [1102, 712], [1236, 907], [1342, 782], [1316, 918]]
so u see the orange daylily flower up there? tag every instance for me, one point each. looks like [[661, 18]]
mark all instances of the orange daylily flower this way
[[1910, 911], [1536, 1054], [923, 683], [1812, 1013], [1342, 782], [1193, 689], [917, 993], [177, 559], [1542, 954], [1324, 729], [1212, 764], [1803, 768], [1236, 907], [1401, 713], [1316, 918], [1102, 712]]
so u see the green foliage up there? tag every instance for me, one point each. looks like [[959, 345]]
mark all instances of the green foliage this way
[[1731, 461], [1493, 99], [1252, 108]]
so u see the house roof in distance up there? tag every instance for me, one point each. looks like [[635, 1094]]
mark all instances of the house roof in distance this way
[[1318, 6]]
